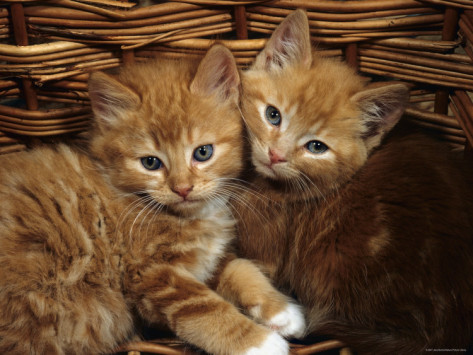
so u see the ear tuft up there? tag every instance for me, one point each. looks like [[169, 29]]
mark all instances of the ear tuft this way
[[217, 75], [109, 98], [381, 108], [289, 44]]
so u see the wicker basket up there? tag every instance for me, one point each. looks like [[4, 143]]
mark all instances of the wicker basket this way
[[177, 347], [48, 49]]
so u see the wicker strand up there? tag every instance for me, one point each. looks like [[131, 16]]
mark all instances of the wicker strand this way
[[347, 6], [267, 9], [134, 23], [154, 11], [465, 108], [390, 23], [465, 4], [317, 348]]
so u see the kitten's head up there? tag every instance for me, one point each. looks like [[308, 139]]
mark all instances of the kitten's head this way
[[312, 121], [170, 130]]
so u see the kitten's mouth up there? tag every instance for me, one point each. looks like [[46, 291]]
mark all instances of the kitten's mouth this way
[[267, 169], [189, 202], [186, 203], [187, 207]]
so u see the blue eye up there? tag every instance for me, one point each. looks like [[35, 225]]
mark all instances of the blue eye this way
[[316, 147], [273, 115], [204, 152], [151, 163]]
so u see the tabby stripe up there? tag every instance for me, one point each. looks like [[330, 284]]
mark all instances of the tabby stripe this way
[[194, 310]]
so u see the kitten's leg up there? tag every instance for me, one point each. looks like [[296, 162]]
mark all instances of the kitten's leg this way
[[200, 316], [242, 283]]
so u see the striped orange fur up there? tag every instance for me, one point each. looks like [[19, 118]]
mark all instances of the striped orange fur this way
[[136, 225], [372, 232]]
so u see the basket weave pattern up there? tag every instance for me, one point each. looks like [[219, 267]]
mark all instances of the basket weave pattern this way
[[48, 49]]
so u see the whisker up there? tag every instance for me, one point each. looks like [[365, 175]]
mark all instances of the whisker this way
[[149, 203], [312, 183], [128, 209], [242, 116], [245, 186], [228, 188], [157, 208], [151, 206]]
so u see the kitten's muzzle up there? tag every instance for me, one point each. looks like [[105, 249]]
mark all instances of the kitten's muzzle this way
[[275, 156], [182, 190]]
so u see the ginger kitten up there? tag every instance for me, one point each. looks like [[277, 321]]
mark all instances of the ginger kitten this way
[[138, 224], [373, 235]]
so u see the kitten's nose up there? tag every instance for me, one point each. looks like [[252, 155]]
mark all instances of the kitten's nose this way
[[182, 190], [276, 156]]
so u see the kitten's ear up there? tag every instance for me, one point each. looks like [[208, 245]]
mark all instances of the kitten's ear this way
[[381, 108], [109, 98], [289, 44], [217, 75]]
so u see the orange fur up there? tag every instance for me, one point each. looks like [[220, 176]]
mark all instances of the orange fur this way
[[374, 239], [91, 239]]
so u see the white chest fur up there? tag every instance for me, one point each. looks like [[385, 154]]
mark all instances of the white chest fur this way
[[211, 243]]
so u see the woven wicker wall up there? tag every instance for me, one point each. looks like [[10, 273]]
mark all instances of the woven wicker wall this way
[[48, 48], [47, 51]]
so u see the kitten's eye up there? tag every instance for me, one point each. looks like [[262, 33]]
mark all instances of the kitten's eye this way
[[151, 163], [316, 147], [273, 115], [204, 152]]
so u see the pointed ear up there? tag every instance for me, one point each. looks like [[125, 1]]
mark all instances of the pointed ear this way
[[381, 108], [217, 75], [289, 44], [109, 98]]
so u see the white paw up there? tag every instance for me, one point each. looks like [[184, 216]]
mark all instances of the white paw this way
[[290, 322], [273, 345]]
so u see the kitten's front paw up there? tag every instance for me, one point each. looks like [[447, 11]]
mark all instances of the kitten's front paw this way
[[289, 322], [274, 345]]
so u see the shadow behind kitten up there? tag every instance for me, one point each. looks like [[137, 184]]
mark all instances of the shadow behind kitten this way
[[138, 225], [374, 239]]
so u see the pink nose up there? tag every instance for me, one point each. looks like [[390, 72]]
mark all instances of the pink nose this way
[[276, 157], [182, 190]]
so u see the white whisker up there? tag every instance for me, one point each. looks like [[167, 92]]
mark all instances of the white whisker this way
[[312, 183], [151, 206], [239, 195], [126, 211], [157, 208], [149, 203]]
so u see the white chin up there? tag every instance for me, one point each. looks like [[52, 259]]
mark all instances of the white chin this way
[[267, 172], [186, 206]]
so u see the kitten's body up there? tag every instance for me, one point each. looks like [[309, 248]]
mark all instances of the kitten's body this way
[[376, 243], [92, 239], [365, 262]]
